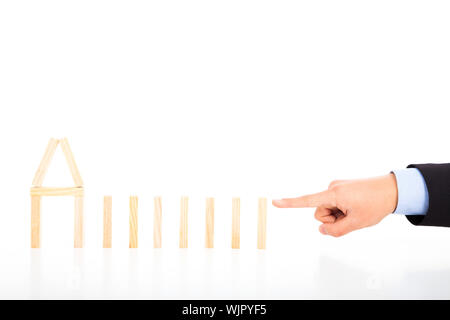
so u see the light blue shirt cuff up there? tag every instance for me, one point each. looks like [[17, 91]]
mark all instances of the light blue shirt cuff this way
[[412, 192]]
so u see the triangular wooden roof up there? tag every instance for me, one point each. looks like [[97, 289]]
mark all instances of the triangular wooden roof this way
[[46, 159]]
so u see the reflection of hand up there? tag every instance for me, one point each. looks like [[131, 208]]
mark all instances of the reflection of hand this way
[[349, 205]]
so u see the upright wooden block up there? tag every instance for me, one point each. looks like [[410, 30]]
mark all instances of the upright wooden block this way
[[133, 222], [157, 216], [184, 222], [107, 222], [262, 219], [235, 224], [35, 221], [209, 238], [78, 230]]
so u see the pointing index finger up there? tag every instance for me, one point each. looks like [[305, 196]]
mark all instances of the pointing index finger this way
[[324, 198]]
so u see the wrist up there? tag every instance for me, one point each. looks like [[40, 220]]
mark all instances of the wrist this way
[[391, 193]]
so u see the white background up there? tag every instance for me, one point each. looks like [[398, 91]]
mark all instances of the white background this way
[[222, 99]]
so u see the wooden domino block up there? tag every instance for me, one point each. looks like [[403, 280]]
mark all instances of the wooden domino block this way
[[235, 223], [262, 219], [78, 229], [157, 216], [209, 238], [184, 222], [55, 192], [133, 222], [35, 221], [107, 222]]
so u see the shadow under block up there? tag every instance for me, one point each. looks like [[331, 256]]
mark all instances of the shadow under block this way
[[262, 219], [184, 222], [133, 222], [209, 237], [157, 215], [107, 222], [235, 223]]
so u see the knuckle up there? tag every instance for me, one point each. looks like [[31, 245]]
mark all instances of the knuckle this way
[[316, 215], [337, 192], [337, 188], [332, 184], [334, 195]]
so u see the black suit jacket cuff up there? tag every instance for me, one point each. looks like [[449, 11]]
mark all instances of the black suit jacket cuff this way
[[437, 179]]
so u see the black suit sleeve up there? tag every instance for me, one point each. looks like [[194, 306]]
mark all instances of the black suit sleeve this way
[[437, 179]]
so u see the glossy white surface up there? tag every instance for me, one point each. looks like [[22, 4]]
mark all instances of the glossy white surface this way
[[220, 274]]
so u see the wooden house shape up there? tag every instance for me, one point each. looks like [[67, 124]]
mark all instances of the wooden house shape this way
[[37, 191]]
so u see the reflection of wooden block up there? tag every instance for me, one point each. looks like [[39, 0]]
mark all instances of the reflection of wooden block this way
[[45, 162], [157, 215], [107, 222], [35, 221], [133, 222], [262, 218], [71, 162], [78, 235], [209, 241], [184, 222], [235, 224]]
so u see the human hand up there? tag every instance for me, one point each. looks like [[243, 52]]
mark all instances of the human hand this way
[[349, 205]]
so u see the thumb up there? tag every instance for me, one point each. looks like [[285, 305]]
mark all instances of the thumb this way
[[338, 228]]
